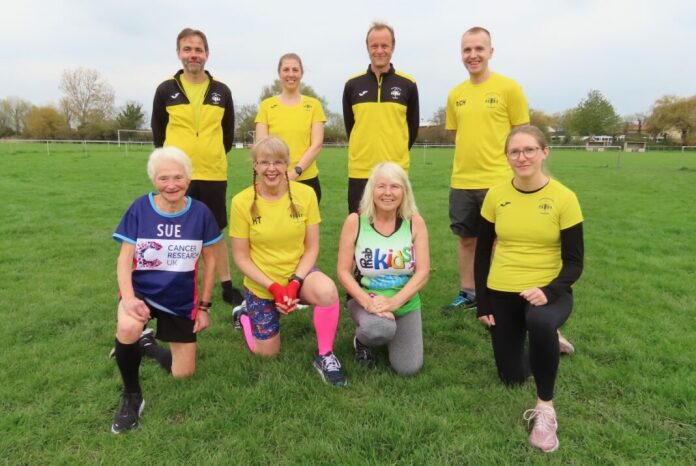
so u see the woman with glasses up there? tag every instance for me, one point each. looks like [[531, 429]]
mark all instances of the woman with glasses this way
[[524, 289], [297, 119], [274, 225]]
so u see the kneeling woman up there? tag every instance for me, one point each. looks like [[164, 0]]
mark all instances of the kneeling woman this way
[[387, 244], [162, 237], [275, 243], [526, 288]]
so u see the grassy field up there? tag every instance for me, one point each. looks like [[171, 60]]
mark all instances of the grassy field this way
[[627, 396]]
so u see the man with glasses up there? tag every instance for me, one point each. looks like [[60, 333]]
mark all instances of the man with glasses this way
[[481, 111]]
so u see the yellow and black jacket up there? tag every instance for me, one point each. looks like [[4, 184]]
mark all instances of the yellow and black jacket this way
[[382, 119], [206, 142]]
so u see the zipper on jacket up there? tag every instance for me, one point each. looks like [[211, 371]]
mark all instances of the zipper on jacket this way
[[379, 88]]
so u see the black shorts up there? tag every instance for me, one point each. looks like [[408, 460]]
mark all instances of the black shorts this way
[[171, 328], [465, 211], [314, 184], [214, 195], [356, 188]]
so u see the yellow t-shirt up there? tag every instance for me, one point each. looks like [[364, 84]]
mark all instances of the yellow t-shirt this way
[[195, 93], [293, 124], [483, 115], [528, 229], [276, 240]]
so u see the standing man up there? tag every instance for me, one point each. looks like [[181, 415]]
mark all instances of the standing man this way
[[380, 110], [481, 111], [194, 112]]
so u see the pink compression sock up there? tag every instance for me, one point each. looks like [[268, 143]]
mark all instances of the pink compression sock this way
[[325, 324], [248, 336]]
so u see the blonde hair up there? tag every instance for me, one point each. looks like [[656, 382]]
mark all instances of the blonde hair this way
[[394, 173], [529, 130], [271, 146], [168, 154], [378, 25]]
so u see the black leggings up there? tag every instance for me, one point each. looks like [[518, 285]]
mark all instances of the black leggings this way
[[514, 317]]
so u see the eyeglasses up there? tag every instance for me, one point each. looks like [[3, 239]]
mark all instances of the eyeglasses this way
[[529, 152], [270, 163]]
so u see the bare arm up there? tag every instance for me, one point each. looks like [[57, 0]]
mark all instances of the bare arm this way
[[261, 131], [346, 255], [420, 277], [316, 142], [135, 307], [311, 251]]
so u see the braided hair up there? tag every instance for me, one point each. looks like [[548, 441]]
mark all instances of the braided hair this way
[[275, 147]]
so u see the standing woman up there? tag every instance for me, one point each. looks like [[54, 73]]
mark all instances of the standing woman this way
[[387, 243], [163, 235], [526, 288], [298, 120], [275, 244]]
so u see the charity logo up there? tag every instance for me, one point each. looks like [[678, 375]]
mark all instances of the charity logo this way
[[146, 254]]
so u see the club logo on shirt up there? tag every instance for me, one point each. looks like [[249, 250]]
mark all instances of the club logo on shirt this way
[[308, 107], [492, 100], [545, 205], [216, 98], [395, 92]]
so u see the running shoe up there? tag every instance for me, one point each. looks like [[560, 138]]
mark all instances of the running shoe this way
[[544, 426], [237, 313], [329, 368], [128, 413], [565, 346], [363, 354], [463, 301]]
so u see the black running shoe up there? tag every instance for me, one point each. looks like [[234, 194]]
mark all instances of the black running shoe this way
[[363, 354], [232, 296], [128, 413], [329, 368]]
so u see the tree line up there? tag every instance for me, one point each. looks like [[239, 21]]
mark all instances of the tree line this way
[[86, 110]]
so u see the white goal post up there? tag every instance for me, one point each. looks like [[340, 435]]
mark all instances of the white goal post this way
[[688, 148], [125, 132]]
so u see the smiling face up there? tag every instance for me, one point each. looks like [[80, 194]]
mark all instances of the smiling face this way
[[387, 194], [290, 74], [476, 52], [191, 51], [270, 171], [171, 181], [526, 155], [380, 47]]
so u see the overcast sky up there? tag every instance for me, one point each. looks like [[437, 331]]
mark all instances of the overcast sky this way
[[633, 51]]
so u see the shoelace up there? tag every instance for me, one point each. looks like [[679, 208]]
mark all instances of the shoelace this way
[[545, 419], [330, 363]]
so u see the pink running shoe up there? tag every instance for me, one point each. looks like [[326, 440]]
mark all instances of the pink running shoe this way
[[543, 435]]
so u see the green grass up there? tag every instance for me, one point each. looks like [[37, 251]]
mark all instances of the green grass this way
[[628, 395]]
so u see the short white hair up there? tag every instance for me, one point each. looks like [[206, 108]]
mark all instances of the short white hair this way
[[393, 173], [168, 154]]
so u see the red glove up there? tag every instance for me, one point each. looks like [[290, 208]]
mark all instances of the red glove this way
[[293, 289], [279, 293]]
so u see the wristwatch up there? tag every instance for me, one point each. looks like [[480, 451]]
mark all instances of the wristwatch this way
[[298, 170]]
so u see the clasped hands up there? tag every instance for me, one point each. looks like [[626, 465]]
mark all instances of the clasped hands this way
[[285, 297], [381, 306]]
